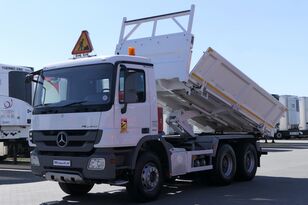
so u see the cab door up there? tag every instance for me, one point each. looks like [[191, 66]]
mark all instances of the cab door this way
[[132, 104]]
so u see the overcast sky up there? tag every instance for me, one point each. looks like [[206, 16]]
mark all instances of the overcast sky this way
[[266, 39]]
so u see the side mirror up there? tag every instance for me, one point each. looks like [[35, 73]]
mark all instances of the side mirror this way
[[29, 78]]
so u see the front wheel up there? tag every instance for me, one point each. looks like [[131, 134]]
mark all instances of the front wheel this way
[[75, 189], [146, 182]]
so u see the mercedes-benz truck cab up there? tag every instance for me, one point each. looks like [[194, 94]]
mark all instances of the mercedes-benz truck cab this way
[[81, 116]]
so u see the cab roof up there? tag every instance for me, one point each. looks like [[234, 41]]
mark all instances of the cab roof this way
[[96, 60]]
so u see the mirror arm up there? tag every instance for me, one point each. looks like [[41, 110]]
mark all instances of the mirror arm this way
[[124, 108], [29, 77]]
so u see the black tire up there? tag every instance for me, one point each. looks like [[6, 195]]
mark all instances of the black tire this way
[[142, 188], [75, 189], [224, 166], [279, 136], [2, 158], [247, 162]]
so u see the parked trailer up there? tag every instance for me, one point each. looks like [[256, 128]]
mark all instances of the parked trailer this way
[[100, 121], [3, 151], [303, 115], [289, 123], [15, 108]]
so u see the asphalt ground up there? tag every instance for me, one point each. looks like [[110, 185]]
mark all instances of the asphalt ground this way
[[281, 179]]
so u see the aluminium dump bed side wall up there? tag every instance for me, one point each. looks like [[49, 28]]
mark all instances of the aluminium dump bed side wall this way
[[229, 84]]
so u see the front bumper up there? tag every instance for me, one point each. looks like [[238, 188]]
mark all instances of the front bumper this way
[[78, 166]]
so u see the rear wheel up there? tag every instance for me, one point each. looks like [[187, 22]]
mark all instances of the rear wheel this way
[[224, 166], [279, 135], [75, 189], [247, 162], [3, 157], [146, 182]]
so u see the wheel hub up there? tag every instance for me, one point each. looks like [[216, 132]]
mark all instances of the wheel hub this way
[[149, 176], [227, 165]]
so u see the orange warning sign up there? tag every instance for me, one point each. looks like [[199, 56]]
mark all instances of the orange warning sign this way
[[83, 44], [123, 125]]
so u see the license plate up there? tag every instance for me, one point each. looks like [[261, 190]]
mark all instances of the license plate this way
[[62, 163]]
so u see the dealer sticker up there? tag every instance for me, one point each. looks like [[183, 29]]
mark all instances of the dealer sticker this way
[[62, 163]]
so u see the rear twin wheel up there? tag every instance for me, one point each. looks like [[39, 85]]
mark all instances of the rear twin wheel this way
[[224, 166], [229, 164], [247, 162]]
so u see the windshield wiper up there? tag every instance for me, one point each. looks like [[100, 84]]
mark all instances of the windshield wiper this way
[[75, 103], [42, 105]]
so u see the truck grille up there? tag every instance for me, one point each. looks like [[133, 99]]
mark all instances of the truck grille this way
[[66, 140]]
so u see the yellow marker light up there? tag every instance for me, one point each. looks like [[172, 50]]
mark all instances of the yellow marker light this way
[[131, 51]]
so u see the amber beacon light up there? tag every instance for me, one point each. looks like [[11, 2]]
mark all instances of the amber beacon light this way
[[131, 51]]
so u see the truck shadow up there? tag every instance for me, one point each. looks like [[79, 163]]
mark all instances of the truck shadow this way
[[262, 190], [276, 150], [285, 146], [8, 176]]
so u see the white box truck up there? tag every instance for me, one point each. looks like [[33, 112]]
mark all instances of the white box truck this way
[[99, 119], [15, 108], [303, 115], [289, 123]]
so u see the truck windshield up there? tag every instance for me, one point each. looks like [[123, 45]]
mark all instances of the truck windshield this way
[[85, 88]]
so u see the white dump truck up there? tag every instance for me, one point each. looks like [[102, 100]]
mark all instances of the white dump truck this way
[[99, 119], [289, 123], [15, 107]]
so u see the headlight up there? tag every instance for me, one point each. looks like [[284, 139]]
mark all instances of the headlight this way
[[96, 164], [35, 160]]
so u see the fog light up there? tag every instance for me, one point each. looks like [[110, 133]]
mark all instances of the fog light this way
[[30, 137], [35, 160], [96, 164]]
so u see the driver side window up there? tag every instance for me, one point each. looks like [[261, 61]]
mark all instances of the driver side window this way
[[132, 86]]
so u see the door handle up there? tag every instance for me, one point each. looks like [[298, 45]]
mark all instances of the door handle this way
[[145, 130]]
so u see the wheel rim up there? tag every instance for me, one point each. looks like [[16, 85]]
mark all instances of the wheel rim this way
[[249, 161], [227, 165], [279, 135], [149, 176]]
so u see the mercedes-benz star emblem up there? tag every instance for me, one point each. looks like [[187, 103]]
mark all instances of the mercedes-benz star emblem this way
[[62, 140]]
